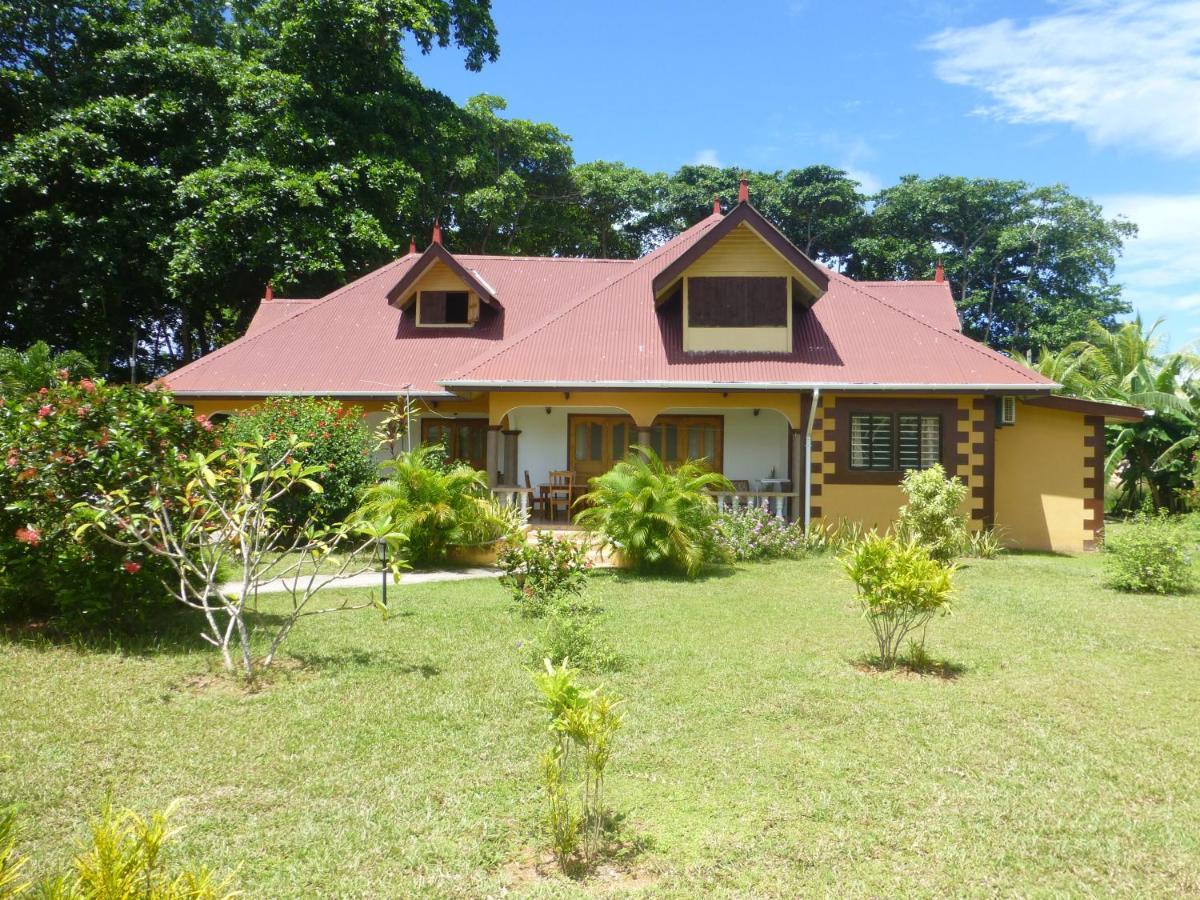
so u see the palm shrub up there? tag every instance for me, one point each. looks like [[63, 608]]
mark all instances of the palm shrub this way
[[658, 517], [335, 442], [435, 506], [900, 589], [1150, 554], [932, 516]]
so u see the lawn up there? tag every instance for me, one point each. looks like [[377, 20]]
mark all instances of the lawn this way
[[400, 758]]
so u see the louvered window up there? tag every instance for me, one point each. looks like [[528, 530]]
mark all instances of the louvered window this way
[[884, 442]]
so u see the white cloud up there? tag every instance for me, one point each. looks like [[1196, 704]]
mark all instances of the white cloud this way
[[706, 157], [1160, 268], [1121, 71], [868, 182]]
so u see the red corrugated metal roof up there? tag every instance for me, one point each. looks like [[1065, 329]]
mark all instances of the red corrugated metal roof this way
[[930, 300], [271, 312], [593, 322]]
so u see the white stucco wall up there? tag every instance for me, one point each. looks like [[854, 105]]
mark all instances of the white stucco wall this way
[[542, 446]]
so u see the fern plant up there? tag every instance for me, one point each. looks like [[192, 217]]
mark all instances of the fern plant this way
[[436, 507], [658, 517]]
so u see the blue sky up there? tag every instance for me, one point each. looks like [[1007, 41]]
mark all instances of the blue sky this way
[[1101, 96]]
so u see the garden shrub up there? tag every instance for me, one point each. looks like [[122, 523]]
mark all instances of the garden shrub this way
[[23, 372], [64, 444], [751, 532], [540, 573], [571, 631], [336, 438], [900, 589], [659, 518], [436, 507], [933, 516], [581, 726], [1150, 554], [986, 543], [125, 858]]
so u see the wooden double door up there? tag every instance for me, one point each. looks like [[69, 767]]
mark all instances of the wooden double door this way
[[596, 442]]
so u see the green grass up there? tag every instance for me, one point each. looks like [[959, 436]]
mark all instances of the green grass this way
[[757, 758]]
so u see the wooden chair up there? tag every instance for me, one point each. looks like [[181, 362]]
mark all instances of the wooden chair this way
[[741, 485], [535, 499], [562, 484]]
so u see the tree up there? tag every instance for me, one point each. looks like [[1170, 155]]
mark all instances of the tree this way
[[613, 206], [23, 372], [1027, 266], [224, 514]]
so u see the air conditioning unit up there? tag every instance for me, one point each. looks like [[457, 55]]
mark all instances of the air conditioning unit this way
[[1008, 410]]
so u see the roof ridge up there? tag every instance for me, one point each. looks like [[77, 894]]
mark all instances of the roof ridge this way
[[245, 339], [576, 302], [582, 259], [971, 343]]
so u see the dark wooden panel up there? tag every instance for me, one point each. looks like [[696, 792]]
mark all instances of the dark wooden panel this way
[[737, 302], [433, 307]]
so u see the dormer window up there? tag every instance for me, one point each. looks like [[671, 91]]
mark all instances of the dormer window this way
[[732, 302], [442, 308]]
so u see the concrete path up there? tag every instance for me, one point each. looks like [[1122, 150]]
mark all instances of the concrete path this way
[[374, 579]]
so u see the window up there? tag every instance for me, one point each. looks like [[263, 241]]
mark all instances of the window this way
[[464, 439], [737, 302], [889, 442], [444, 308]]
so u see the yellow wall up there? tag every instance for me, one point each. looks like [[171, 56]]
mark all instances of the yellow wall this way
[[643, 406], [439, 277], [1040, 471]]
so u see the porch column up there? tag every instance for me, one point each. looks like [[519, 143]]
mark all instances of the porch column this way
[[643, 437], [511, 476], [493, 453], [799, 474]]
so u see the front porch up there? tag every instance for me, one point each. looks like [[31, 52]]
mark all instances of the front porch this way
[[756, 441]]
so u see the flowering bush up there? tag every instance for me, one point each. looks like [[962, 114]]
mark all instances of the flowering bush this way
[[59, 445], [751, 532], [335, 437], [1150, 554], [538, 574]]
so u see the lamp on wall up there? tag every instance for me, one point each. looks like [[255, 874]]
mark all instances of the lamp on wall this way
[[547, 410], [756, 412]]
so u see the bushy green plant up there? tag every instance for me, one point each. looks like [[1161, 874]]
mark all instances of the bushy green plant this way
[[12, 882], [900, 589], [65, 443], [932, 516], [1150, 554], [335, 438], [751, 532], [581, 727], [125, 859], [571, 630], [659, 518], [986, 543], [436, 508], [539, 573]]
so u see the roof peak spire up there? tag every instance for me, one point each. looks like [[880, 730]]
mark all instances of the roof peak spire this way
[[437, 232], [939, 272], [716, 205], [269, 293], [412, 245], [743, 190]]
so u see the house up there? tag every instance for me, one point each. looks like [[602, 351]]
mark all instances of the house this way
[[726, 343]]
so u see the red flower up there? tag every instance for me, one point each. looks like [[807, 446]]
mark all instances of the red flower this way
[[271, 436], [13, 459], [42, 392], [204, 423], [87, 384], [63, 374], [131, 567], [29, 535], [45, 411]]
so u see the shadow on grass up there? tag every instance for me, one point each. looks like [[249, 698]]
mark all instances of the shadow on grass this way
[[171, 631], [912, 666], [709, 573], [364, 659]]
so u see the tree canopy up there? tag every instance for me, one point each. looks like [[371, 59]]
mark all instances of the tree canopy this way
[[161, 161]]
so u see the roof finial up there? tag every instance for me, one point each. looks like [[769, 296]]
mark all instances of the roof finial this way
[[939, 273], [437, 232], [412, 245], [269, 293], [716, 205], [743, 190]]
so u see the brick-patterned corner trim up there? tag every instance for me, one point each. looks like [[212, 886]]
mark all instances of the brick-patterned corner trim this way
[[1093, 481], [983, 443]]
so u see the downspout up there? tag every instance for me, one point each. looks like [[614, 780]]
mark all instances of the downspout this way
[[812, 416]]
